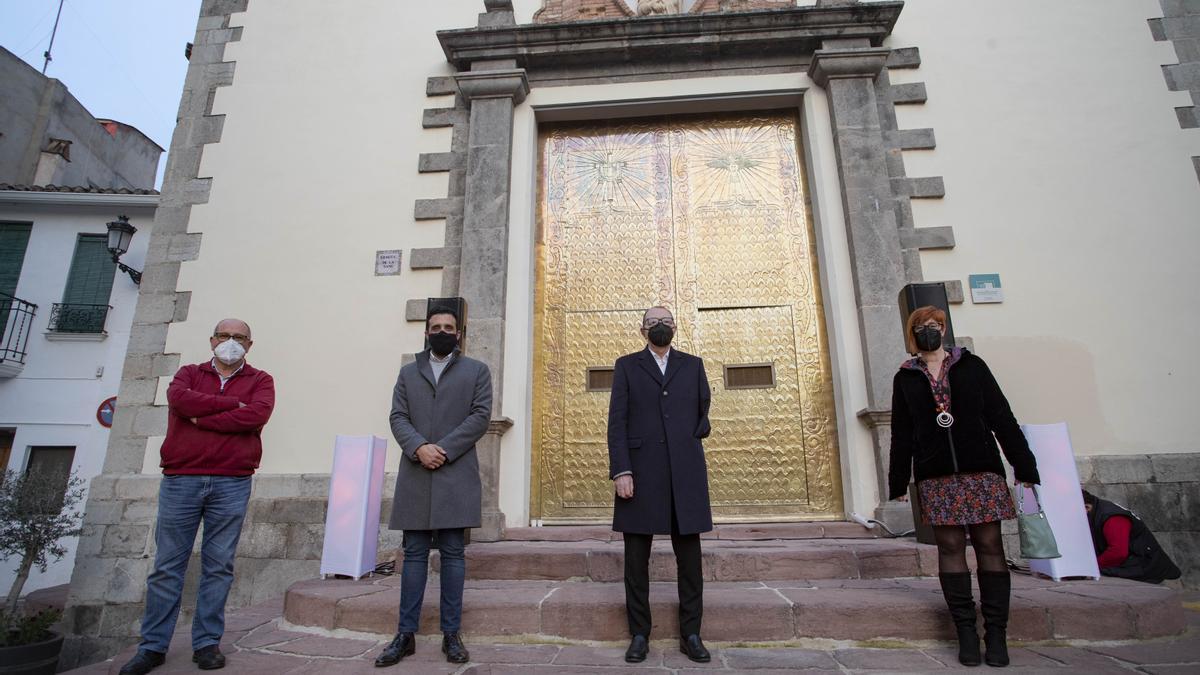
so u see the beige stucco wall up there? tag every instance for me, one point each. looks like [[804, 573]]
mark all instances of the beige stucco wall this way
[[315, 171], [1067, 173], [1064, 167]]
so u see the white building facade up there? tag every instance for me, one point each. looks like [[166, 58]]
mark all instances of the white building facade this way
[[65, 334], [927, 141]]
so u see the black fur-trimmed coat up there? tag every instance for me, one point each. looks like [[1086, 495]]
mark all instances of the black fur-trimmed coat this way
[[982, 417]]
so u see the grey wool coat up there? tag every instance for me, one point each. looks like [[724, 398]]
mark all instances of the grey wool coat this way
[[453, 413]]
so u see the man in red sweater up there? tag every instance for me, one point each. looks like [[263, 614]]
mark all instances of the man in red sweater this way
[[213, 445]]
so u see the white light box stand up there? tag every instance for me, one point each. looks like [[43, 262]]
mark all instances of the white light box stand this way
[[1062, 502], [352, 519]]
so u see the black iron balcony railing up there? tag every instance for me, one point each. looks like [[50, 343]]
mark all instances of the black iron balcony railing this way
[[16, 320], [69, 318]]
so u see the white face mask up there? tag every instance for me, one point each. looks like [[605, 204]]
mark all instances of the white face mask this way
[[230, 352]]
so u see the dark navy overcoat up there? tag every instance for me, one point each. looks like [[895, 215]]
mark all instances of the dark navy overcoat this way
[[655, 424]]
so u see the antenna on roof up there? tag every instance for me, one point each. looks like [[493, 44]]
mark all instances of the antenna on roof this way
[[54, 32]]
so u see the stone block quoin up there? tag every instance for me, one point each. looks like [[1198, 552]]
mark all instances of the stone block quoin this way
[[897, 141], [108, 582], [1180, 24], [448, 209]]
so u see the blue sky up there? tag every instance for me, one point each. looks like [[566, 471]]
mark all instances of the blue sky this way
[[123, 59]]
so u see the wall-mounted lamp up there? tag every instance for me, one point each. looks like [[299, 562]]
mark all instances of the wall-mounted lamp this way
[[120, 233]]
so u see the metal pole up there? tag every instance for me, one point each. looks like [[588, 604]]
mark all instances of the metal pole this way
[[53, 33]]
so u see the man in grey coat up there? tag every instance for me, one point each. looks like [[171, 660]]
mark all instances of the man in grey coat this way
[[441, 407]]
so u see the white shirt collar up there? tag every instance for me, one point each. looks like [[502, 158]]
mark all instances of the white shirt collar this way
[[225, 378], [660, 360]]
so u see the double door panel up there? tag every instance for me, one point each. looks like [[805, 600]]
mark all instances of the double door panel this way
[[709, 217]]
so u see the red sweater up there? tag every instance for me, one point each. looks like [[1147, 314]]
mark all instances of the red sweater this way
[[225, 439], [1116, 533]]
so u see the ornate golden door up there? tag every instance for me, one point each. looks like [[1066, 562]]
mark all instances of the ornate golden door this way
[[708, 216]]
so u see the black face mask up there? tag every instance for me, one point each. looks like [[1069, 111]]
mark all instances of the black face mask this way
[[928, 338], [442, 343], [660, 335]]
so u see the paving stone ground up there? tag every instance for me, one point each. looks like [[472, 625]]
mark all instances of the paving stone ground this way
[[259, 641]]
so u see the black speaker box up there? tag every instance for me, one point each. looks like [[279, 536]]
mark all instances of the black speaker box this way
[[914, 296]]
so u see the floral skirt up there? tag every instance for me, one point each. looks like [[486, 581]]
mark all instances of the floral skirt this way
[[965, 499]]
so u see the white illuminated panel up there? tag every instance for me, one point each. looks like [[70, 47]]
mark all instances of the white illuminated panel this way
[[1062, 502], [352, 519]]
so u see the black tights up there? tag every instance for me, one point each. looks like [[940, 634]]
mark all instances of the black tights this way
[[952, 547]]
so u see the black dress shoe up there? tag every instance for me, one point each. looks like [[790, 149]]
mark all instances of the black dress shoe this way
[[209, 658], [452, 647], [694, 649], [143, 662], [637, 649], [404, 644]]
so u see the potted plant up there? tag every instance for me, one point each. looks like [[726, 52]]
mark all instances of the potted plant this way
[[36, 513]]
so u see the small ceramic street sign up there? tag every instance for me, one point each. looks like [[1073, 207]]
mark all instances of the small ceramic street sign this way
[[387, 263], [985, 288]]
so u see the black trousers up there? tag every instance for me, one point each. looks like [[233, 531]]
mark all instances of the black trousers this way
[[637, 582]]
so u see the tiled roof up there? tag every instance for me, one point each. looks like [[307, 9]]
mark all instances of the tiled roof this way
[[79, 189]]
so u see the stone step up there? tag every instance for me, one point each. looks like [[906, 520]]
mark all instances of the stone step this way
[[836, 529], [766, 611], [724, 559]]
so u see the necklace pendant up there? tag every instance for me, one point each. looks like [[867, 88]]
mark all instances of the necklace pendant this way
[[944, 419]]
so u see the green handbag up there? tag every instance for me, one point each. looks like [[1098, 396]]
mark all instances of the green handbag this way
[[1037, 539]]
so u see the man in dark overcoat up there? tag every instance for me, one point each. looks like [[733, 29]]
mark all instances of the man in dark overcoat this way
[[441, 407], [657, 414]]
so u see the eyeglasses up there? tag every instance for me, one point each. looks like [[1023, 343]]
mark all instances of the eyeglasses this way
[[651, 323], [931, 324], [236, 337]]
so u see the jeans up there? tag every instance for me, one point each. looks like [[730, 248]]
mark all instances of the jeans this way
[[183, 503], [451, 544]]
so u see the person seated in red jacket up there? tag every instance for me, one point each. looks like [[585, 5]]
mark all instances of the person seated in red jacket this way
[[1125, 547]]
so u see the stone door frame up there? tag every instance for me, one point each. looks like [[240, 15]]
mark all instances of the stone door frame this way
[[794, 99], [839, 46]]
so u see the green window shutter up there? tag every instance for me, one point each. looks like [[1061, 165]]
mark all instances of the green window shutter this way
[[89, 284], [14, 238]]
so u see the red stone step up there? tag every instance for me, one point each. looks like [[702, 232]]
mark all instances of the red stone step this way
[[767, 611], [835, 529], [724, 559]]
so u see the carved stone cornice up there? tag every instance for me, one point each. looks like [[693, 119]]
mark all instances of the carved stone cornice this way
[[499, 426], [609, 44], [834, 64], [508, 83], [875, 418]]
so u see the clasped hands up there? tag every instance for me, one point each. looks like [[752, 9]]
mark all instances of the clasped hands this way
[[431, 456]]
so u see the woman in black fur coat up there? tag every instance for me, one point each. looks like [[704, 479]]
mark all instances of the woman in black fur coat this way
[[947, 414]]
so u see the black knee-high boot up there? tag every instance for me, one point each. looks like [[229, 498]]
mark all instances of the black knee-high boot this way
[[994, 591], [956, 588]]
